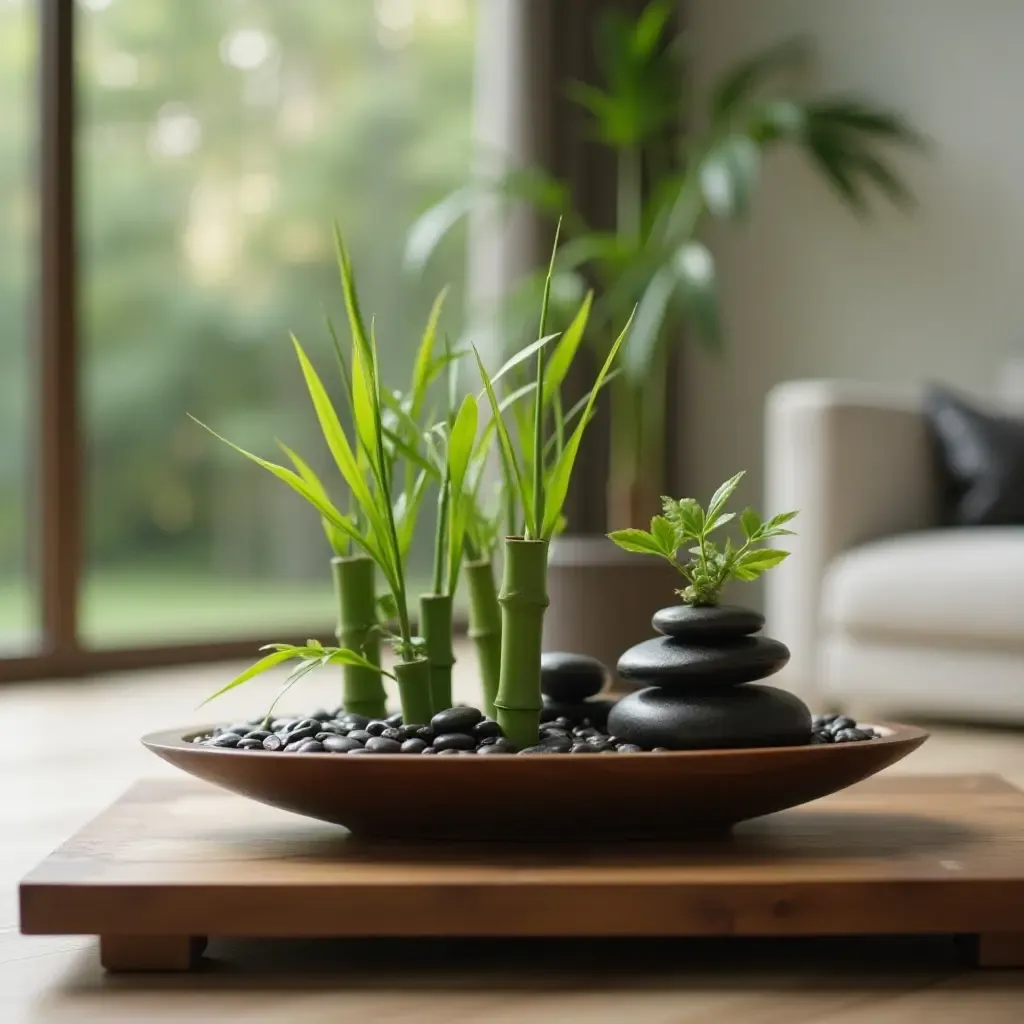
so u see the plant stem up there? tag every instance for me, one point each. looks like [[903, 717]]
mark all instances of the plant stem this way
[[355, 589], [414, 689], [485, 628], [523, 600], [629, 194], [436, 628], [440, 531]]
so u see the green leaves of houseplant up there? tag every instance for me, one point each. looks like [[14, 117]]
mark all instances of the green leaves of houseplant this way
[[685, 524]]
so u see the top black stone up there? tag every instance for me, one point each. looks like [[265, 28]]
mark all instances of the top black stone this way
[[707, 624], [570, 678]]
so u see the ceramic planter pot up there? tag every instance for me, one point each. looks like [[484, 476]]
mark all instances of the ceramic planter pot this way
[[602, 598]]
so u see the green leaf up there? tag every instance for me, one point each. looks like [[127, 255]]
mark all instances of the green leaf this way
[[387, 608], [511, 466], [461, 444], [638, 541], [718, 521], [691, 517], [781, 519], [406, 513], [520, 357], [650, 26], [344, 656], [430, 229], [741, 83], [665, 534], [425, 366], [752, 564], [557, 484], [565, 351], [270, 661], [750, 522], [298, 673], [728, 174], [722, 495]]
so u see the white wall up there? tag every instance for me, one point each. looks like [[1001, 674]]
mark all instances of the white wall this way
[[807, 290]]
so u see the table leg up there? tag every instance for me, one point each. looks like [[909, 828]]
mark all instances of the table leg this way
[[150, 952], [1001, 949]]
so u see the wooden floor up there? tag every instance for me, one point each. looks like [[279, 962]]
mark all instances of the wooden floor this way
[[68, 749]]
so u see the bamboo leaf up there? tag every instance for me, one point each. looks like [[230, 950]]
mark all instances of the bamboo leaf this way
[[405, 519], [510, 465], [429, 231], [298, 673], [425, 367], [460, 451], [565, 351], [270, 661], [344, 656], [520, 357], [557, 486]]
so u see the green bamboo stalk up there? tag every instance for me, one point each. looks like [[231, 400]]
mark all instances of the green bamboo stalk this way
[[523, 600], [355, 589], [414, 689], [485, 627], [436, 627]]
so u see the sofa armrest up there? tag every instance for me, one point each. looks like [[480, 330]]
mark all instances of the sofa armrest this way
[[856, 460]]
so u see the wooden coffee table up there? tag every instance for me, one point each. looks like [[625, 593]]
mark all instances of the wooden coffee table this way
[[176, 860]]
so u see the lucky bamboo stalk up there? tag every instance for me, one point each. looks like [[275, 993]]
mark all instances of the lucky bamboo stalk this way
[[414, 689], [485, 628], [523, 600], [436, 627], [355, 588]]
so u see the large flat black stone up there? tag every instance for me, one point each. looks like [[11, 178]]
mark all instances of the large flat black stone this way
[[741, 716], [680, 667], [707, 624]]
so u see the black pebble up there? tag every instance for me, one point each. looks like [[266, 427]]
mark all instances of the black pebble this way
[[360, 734], [494, 748], [376, 728], [303, 731], [454, 741], [546, 749], [842, 722], [247, 744], [394, 720], [501, 743], [413, 746], [240, 728], [257, 734], [425, 733], [570, 678], [331, 728], [455, 720], [310, 747], [380, 745], [583, 748], [603, 746], [487, 729], [356, 721], [392, 733], [273, 742], [629, 748], [225, 739], [587, 733], [448, 750], [359, 750], [321, 715], [428, 750], [341, 744]]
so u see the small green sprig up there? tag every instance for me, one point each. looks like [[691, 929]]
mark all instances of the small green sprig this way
[[686, 524]]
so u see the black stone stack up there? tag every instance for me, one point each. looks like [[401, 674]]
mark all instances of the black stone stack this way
[[698, 685], [571, 685]]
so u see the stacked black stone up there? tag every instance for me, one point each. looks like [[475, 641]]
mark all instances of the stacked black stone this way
[[698, 685], [571, 685]]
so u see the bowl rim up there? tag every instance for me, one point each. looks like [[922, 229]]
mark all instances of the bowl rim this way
[[893, 734]]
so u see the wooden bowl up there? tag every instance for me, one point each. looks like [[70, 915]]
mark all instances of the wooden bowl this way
[[671, 795]]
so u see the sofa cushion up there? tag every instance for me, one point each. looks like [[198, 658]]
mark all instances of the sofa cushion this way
[[942, 587]]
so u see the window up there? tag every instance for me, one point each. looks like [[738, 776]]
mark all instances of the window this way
[[216, 141], [18, 205]]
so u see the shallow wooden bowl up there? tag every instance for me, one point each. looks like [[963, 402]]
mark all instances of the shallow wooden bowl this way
[[671, 795]]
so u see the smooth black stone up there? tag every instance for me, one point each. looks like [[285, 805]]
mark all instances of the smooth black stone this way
[[303, 731], [413, 746], [360, 750], [273, 742], [394, 720], [848, 735], [545, 750], [582, 748], [823, 736], [380, 745], [310, 747], [257, 734], [239, 728], [594, 710], [819, 720], [321, 715], [356, 721], [570, 678], [550, 729], [738, 716], [629, 748], [455, 720], [819, 739], [429, 750], [225, 739], [556, 743], [454, 741], [425, 733], [244, 744], [360, 734], [496, 748], [375, 728], [450, 751], [660, 750], [487, 729], [331, 729], [681, 668], [586, 732], [341, 744], [391, 733], [293, 747], [842, 722], [707, 625], [603, 746], [501, 743]]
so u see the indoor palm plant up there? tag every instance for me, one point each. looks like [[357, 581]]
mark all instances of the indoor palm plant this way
[[670, 184]]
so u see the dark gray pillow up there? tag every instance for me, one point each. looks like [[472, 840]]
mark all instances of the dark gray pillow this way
[[981, 461]]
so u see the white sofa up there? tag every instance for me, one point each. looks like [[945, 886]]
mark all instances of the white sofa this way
[[880, 607]]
